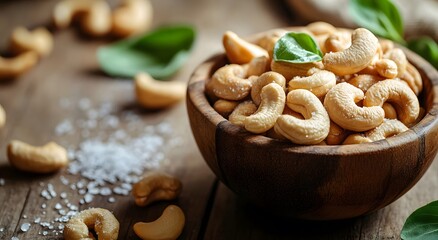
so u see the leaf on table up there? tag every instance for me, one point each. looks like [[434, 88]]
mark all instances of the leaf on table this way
[[422, 224], [160, 53], [297, 48], [427, 48]]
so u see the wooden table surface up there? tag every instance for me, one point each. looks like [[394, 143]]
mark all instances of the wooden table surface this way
[[36, 105]]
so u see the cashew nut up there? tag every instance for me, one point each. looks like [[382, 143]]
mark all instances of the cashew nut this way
[[167, 227], [268, 41], [290, 70], [363, 47], [155, 94], [134, 16], [225, 107], [240, 51], [401, 96], [413, 78], [336, 134], [258, 66], [243, 110], [39, 40], [386, 68], [319, 82], [272, 104], [340, 102], [364, 81], [101, 220], [337, 42], [2, 116], [156, 186], [314, 128], [45, 159], [399, 58], [96, 19], [386, 45], [356, 138], [389, 128], [390, 112], [263, 80], [228, 82], [321, 28], [14, 67]]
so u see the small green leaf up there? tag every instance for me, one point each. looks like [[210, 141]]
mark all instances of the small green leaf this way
[[160, 53], [297, 48], [427, 48], [379, 16], [422, 224]]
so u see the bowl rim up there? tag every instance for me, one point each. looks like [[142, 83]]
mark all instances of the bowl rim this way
[[196, 94]]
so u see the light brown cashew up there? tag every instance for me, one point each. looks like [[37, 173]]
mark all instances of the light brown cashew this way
[[291, 70], [154, 94], [243, 110], [390, 112], [314, 128], [321, 28], [386, 68], [340, 103], [263, 80], [96, 15], [14, 67], [268, 41], [133, 17], [39, 40], [336, 134], [2, 116], [363, 48], [155, 186], [364, 81], [356, 138], [167, 227], [258, 66], [101, 220], [45, 159], [413, 78], [319, 82], [389, 128], [228, 82], [271, 106], [386, 45], [399, 58], [225, 107], [337, 42], [240, 51], [399, 95]]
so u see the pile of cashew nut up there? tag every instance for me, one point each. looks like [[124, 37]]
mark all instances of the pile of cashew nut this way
[[363, 90]]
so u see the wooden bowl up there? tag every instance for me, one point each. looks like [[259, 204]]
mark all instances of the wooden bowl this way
[[313, 182]]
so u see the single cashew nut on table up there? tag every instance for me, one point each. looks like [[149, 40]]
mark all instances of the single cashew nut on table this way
[[263, 80], [241, 112], [319, 82], [228, 82], [359, 55], [13, 67], [156, 186], [167, 227], [101, 220], [240, 51], [39, 40], [45, 159], [225, 107], [340, 103], [2, 116], [133, 17], [154, 94], [314, 128]]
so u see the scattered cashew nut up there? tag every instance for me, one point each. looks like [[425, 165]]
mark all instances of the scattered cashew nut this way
[[229, 83], [243, 110], [167, 227], [240, 51], [133, 17], [319, 82], [101, 220], [363, 48], [45, 159], [14, 67], [154, 94], [314, 128], [155, 186], [39, 40], [263, 80]]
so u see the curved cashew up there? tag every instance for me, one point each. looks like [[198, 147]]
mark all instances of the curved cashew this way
[[96, 19], [386, 68], [167, 227], [155, 94], [225, 107], [321, 28], [336, 134], [390, 112], [39, 40], [271, 106], [401, 96], [240, 51], [413, 78], [228, 82], [243, 110], [399, 58], [319, 82], [101, 220], [337, 42], [314, 129], [258, 66], [389, 128], [268, 41], [14, 67], [134, 16], [2, 116], [291, 70], [45, 159], [363, 47], [356, 138], [386, 45], [263, 80], [364, 81], [156, 186], [340, 103]]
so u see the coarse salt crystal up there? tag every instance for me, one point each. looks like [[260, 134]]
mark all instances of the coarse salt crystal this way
[[25, 227]]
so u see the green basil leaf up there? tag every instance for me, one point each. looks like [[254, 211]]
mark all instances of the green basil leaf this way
[[379, 16], [427, 48], [422, 224], [160, 53], [297, 48]]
